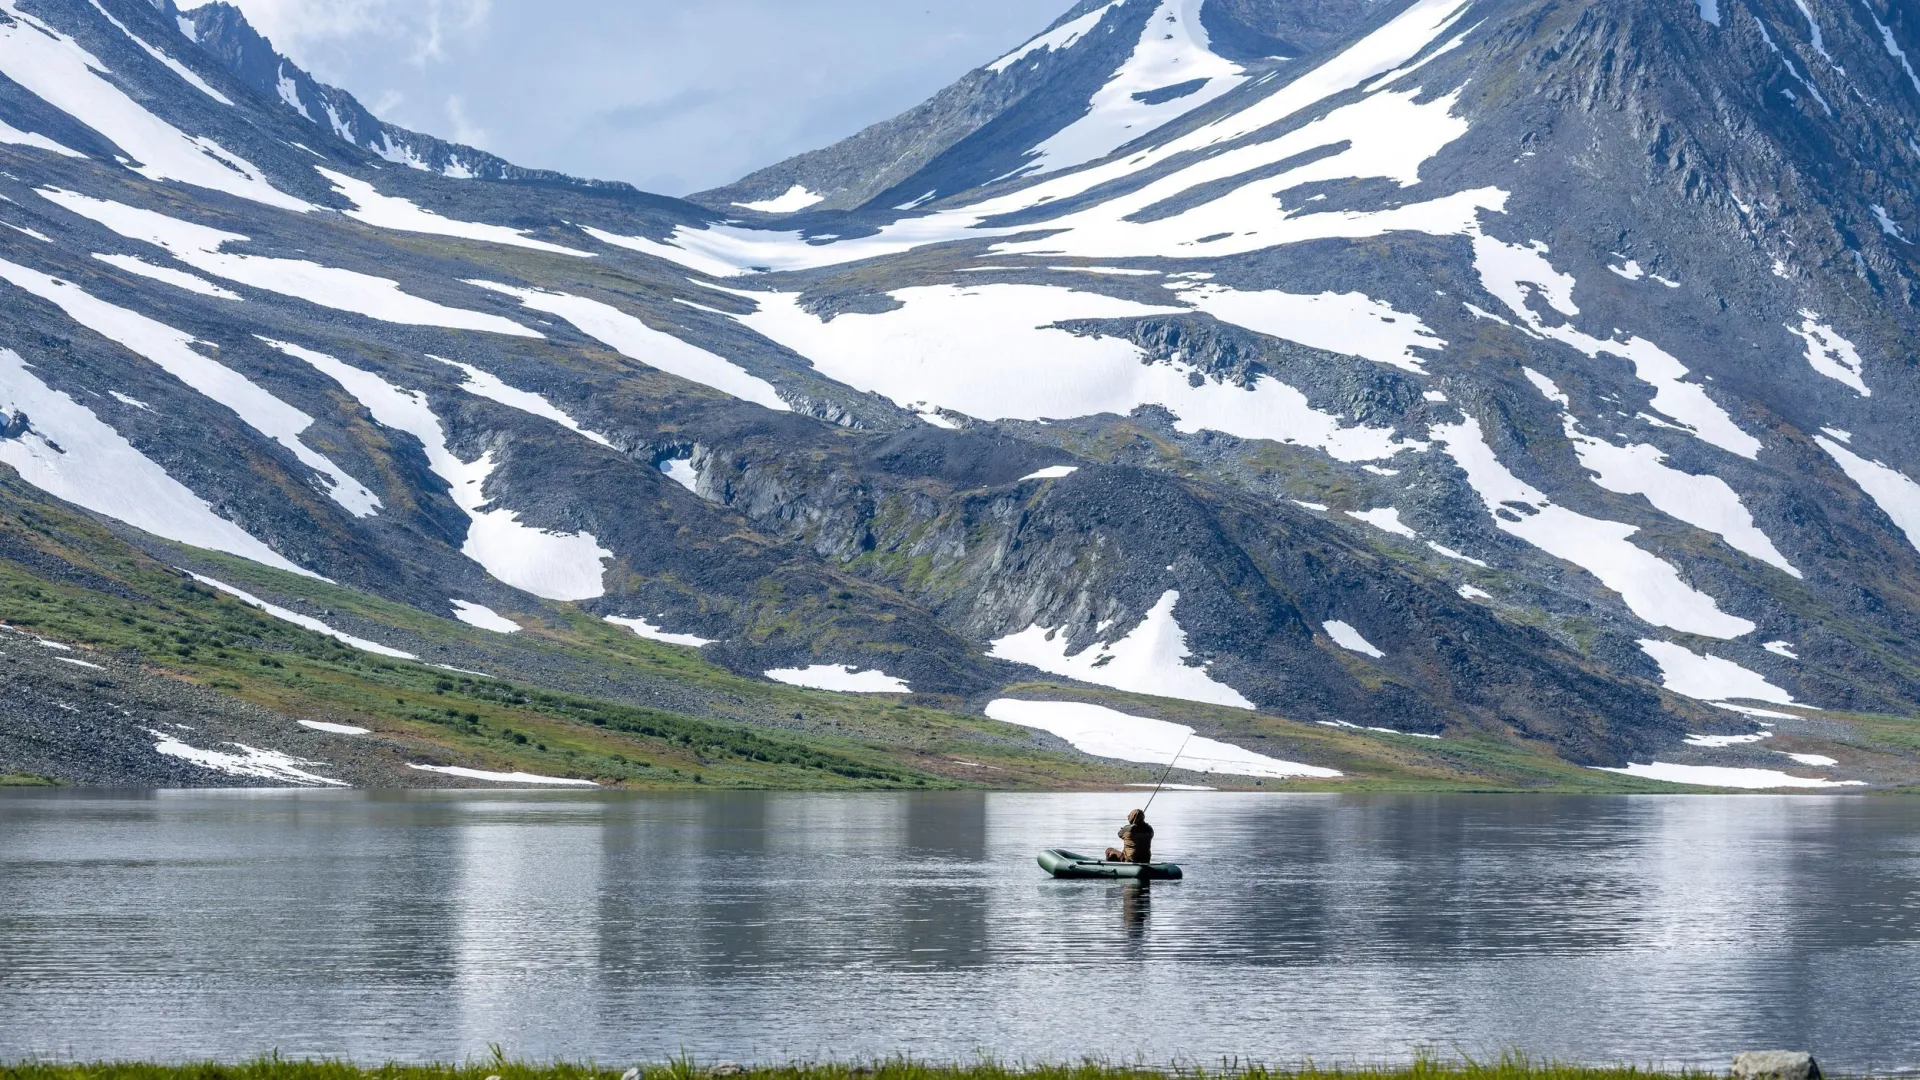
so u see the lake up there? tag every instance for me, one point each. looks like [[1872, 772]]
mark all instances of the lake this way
[[768, 927]]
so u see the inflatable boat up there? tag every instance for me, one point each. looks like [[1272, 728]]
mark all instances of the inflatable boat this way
[[1065, 864]]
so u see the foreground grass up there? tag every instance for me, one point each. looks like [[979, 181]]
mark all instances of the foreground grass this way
[[1506, 1068]]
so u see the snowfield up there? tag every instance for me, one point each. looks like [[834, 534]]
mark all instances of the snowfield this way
[[1650, 587], [172, 351], [557, 566], [1109, 733], [842, 677], [69, 453], [634, 339], [648, 630], [1150, 659], [993, 351]]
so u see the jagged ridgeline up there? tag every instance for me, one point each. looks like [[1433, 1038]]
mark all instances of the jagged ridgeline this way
[[1415, 392]]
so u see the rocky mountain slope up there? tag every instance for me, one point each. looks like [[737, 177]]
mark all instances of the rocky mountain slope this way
[[1479, 392]]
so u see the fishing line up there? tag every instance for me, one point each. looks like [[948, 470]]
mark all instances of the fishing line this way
[[1164, 775]]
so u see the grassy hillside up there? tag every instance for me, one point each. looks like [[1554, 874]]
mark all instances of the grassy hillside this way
[[573, 696]]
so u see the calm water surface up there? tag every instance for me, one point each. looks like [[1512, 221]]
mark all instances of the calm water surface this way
[[768, 927]]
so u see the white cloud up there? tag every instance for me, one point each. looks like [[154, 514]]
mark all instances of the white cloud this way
[[463, 129], [297, 25]]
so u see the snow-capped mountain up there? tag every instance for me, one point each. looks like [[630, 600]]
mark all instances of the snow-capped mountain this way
[[1533, 374], [222, 31]]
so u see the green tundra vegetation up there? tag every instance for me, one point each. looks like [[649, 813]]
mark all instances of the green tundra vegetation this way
[[572, 695]]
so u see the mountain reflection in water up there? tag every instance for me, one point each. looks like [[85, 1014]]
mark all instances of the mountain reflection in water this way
[[418, 925]]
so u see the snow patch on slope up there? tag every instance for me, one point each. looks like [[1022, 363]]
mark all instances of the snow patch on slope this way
[[70, 454], [306, 622], [1651, 588], [16, 137], [1891, 490], [554, 565], [1829, 353], [179, 279], [1725, 777], [1386, 518], [201, 247], [172, 351], [992, 351], [648, 630], [1515, 272], [484, 617], [844, 678], [524, 779], [484, 384], [1351, 323], [635, 340], [1703, 501], [246, 761], [1151, 659], [1709, 678], [1345, 636], [402, 215], [1109, 733]]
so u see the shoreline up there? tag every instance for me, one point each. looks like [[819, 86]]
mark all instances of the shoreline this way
[[274, 1067]]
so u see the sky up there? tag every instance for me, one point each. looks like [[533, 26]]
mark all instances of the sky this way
[[673, 96]]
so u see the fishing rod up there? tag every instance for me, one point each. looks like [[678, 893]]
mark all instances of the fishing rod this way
[[1169, 770]]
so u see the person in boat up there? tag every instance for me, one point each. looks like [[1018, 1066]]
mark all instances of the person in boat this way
[[1136, 838]]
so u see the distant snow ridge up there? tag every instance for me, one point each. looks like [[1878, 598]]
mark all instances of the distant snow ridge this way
[[557, 566], [50, 65], [1389, 135], [793, 199], [1103, 732], [1151, 659], [173, 65], [1060, 37], [1171, 72]]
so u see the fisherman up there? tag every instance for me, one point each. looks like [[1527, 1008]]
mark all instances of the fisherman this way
[[1136, 838]]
